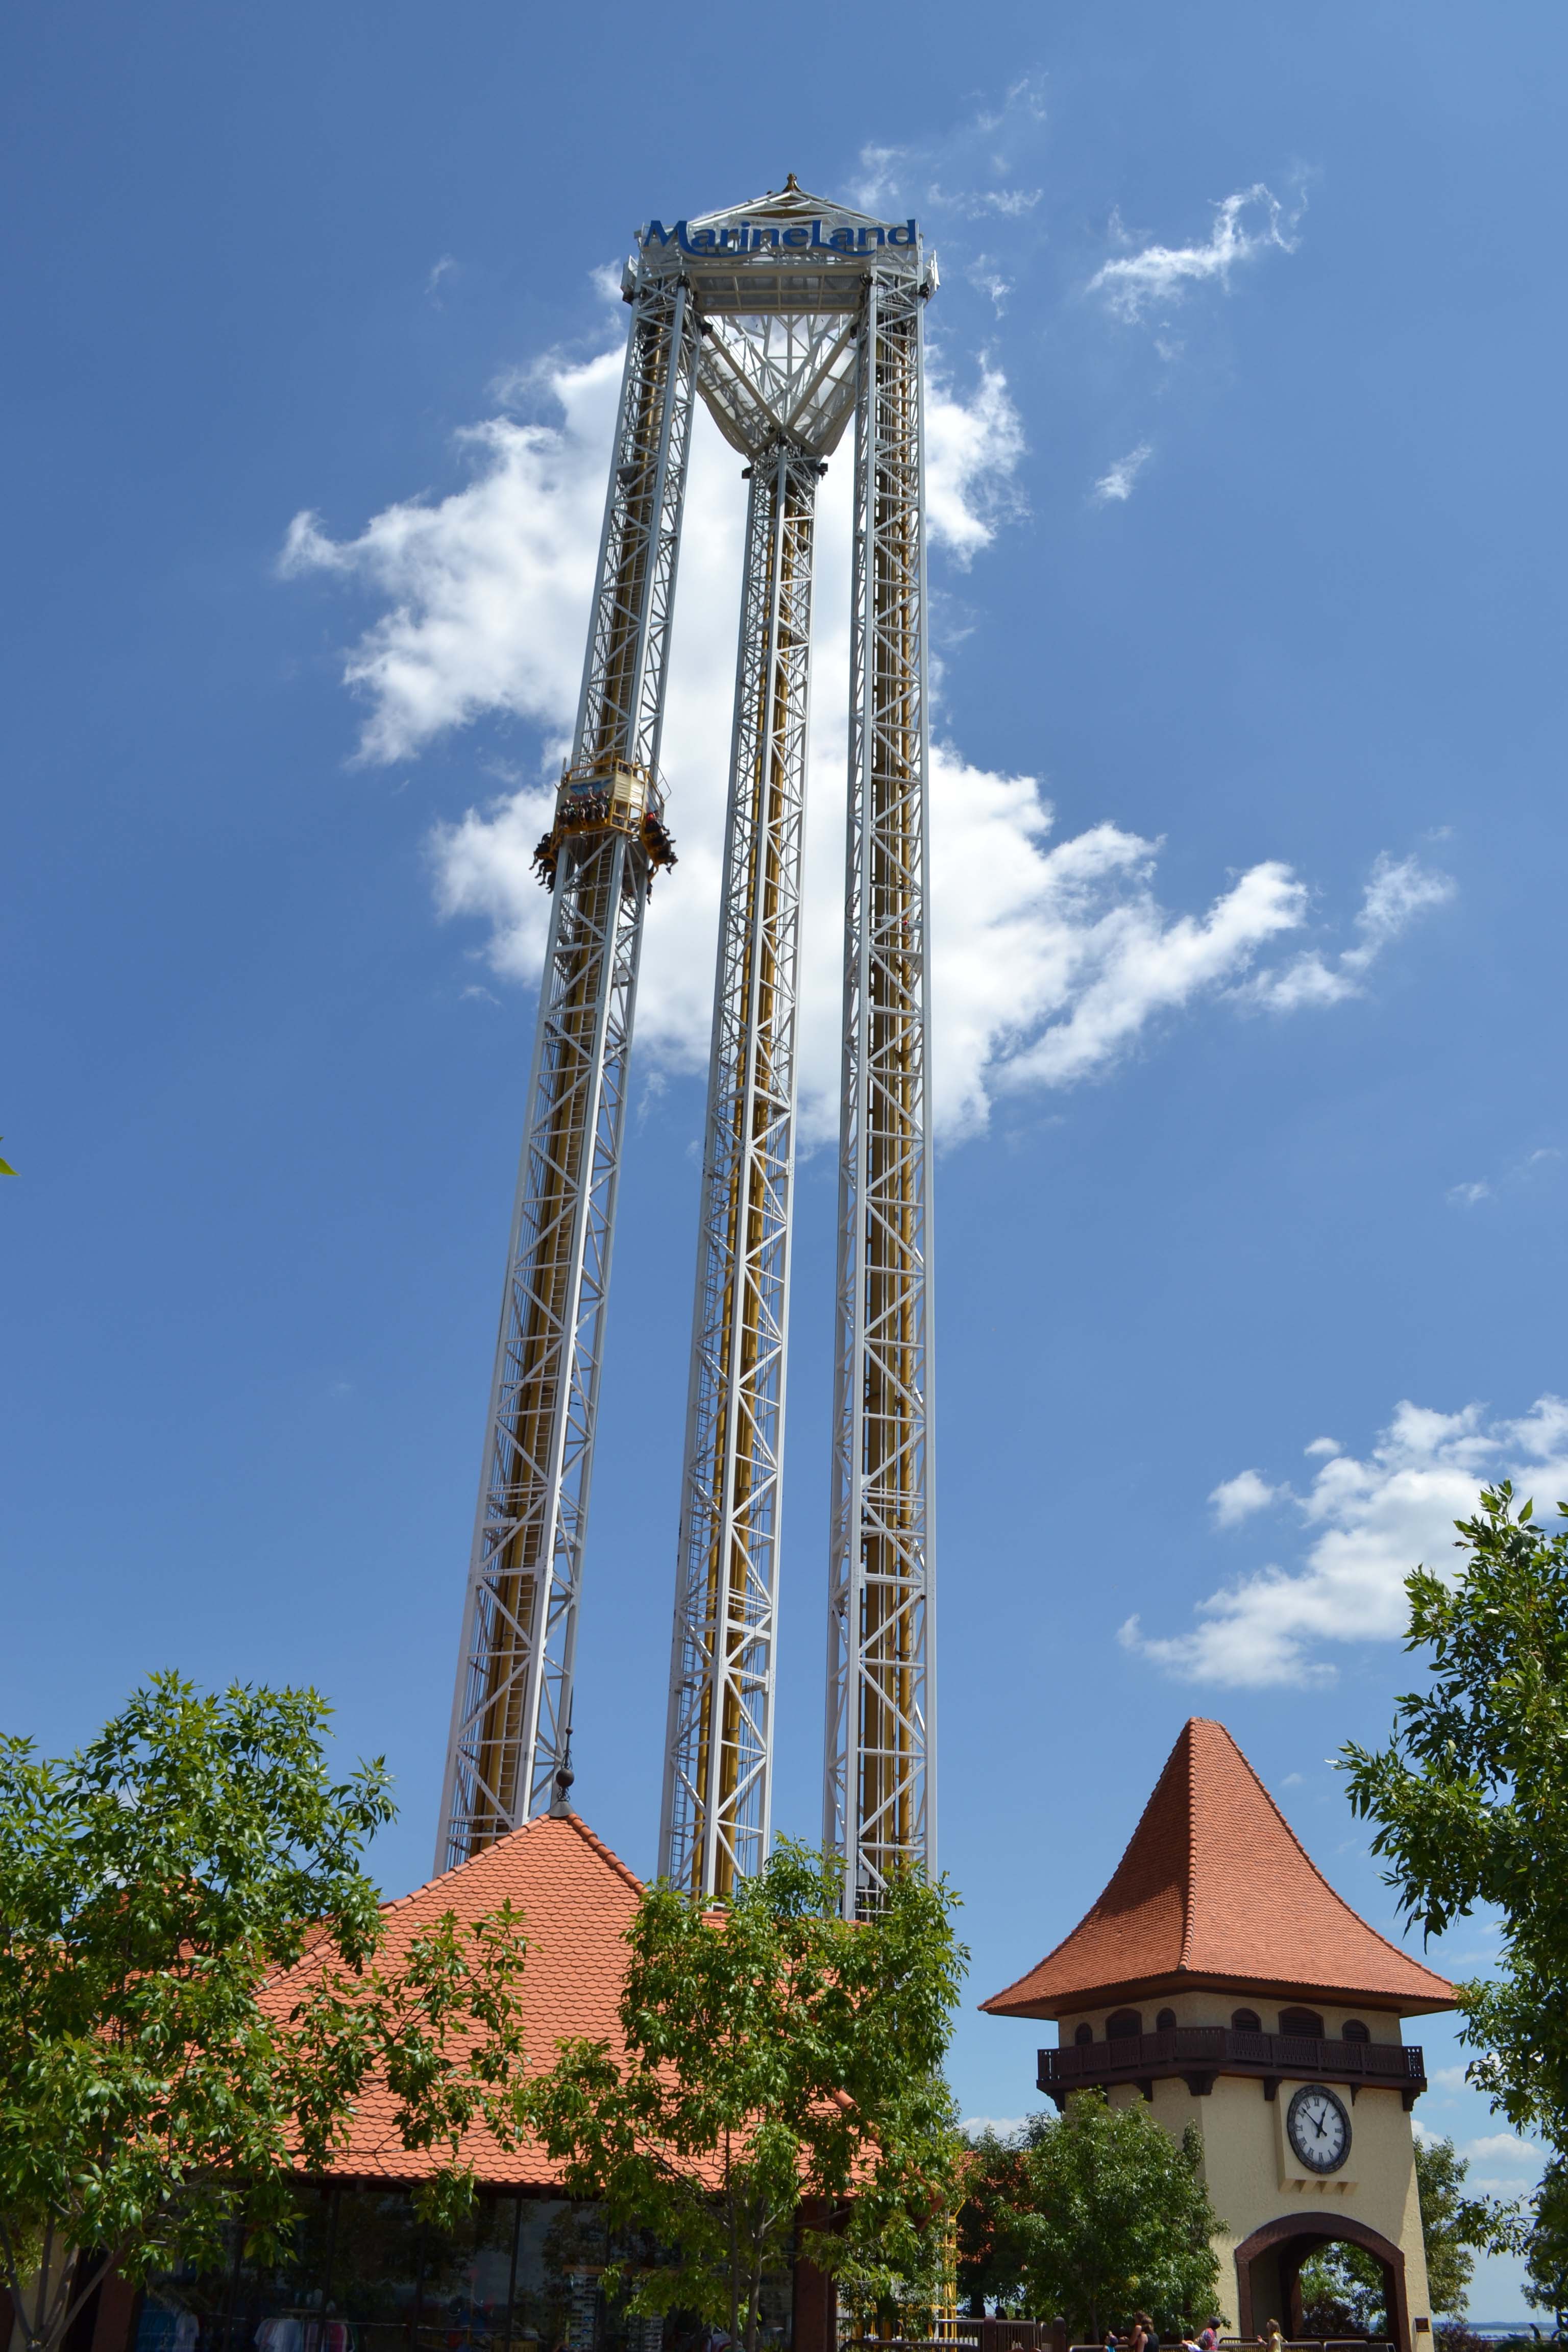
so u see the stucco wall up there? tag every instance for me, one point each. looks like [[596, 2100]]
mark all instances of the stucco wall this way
[[1252, 2175]]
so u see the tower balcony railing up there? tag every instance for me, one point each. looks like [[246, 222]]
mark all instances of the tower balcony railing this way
[[1198, 2052]]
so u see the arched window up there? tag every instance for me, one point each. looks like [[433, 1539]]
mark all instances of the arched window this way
[[1125, 2026], [1304, 2022], [1353, 2030], [1164, 2022], [1246, 2021], [1084, 2036]]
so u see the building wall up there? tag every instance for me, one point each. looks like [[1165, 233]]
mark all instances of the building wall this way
[[1253, 2176]]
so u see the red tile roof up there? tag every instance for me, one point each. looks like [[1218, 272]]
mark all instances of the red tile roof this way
[[577, 1899], [1215, 1890]]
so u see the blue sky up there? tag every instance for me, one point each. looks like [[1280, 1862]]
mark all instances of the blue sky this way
[[1246, 485]]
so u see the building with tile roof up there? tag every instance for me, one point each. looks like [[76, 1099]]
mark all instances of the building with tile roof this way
[[524, 2274], [577, 1900], [1221, 1978]]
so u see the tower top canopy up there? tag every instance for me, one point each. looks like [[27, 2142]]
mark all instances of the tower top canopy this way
[[786, 250], [1215, 1891], [780, 287]]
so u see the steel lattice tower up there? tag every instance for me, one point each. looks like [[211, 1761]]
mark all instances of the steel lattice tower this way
[[791, 316], [879, 1792], [511, 1708]]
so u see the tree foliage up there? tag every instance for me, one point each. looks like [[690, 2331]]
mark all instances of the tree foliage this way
[[773, 2053], [157, 2090], [1471, 1796], [1454, 2227], [1343, 2291], [1093, 2214], [1545, 2248]]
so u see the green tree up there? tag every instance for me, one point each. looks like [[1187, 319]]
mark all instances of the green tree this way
[[990, 2244], [773, 2053], [1471, 1796], [158, 2086], [1545, 2245], [1454, 2227], [1110, 2215], [1342, 2293]]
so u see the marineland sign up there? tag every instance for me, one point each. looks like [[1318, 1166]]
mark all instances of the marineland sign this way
[[796, 237]]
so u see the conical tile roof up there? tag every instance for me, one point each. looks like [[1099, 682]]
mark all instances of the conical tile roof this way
[[1215, 1890]]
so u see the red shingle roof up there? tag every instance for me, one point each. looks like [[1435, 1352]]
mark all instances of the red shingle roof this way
[[577, 1899], [1215, 1890]]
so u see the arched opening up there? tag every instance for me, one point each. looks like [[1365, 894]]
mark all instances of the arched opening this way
[[1125, 2026], [1246, 2021], [1083, 2035], [1166, 2021], [1269, 2273], [1305, 2022], [1353, 2029]]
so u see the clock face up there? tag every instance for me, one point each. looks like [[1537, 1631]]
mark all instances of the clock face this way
[[1317, 2129]]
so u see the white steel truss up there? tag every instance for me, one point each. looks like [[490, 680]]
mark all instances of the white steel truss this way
[[512, 1707], [789, 315], [879, 1800], [718, 1746]]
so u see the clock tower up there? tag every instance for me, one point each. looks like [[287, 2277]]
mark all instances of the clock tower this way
[[1221, 1978]]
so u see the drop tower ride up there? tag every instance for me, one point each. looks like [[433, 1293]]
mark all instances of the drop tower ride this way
[[793, 318]]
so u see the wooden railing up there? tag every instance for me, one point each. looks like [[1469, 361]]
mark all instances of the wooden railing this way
[[1199, 2053]]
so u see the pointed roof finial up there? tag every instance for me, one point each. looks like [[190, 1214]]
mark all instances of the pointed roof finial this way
[[561, 1797], [791, 185]]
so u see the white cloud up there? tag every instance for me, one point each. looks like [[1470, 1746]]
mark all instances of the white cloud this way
[[1399, 890], [487, 589], [1448, 2078], [1237, 1498], [1005, 2127], [1370, 1523], [1052, 959], [973, 204], [984, 273], [985, 144], [1117, 483], [443, 269], [1163, 273], [1504, 2148], [973, 448], [1323, 1445], [1521, 1174]]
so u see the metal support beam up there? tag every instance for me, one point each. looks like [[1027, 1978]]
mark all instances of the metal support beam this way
[[715, 1823], [879, 1800], [513, 1701]]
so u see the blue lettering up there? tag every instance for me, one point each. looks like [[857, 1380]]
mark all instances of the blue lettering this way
[[905, 236], [879, 234], [842, 240], [797, 236], [701, 240], [658, 235]]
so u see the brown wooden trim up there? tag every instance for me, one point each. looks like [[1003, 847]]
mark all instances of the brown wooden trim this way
[[1199, 2053], [1268, 1989], [1322, 2228]]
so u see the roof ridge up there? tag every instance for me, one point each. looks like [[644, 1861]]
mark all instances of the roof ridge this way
[[396, 1902], [1189, 1883], [1332, 1891], [1127, 1849], [591, 1837]]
